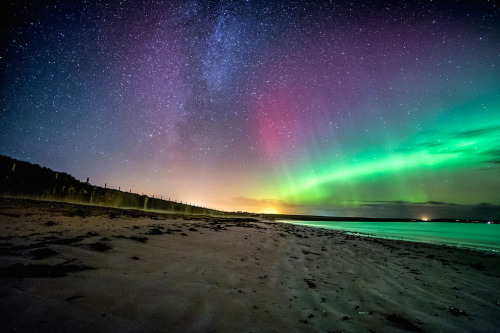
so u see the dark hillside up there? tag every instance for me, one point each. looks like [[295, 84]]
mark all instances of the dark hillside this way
[[26, 180]]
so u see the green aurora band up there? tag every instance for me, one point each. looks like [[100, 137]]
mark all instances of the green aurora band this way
[[458, 152]]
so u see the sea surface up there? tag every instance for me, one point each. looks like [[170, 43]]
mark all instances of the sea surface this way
[[470, 235]]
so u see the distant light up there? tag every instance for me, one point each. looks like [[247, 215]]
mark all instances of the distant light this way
[[425, 219]]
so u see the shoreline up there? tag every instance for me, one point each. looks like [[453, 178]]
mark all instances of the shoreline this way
[[107, 269], [484, 250]]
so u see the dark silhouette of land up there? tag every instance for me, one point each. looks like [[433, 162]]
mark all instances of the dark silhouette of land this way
[[19, 179], [364, 219]]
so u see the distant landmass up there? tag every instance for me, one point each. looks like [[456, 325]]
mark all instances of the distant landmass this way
[[365, 219], [20, 179]]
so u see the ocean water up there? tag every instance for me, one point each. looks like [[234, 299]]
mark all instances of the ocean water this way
[[470, 235]]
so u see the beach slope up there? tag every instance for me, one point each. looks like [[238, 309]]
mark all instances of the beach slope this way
[[68, 267]]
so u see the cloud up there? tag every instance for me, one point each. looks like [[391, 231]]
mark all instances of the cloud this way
[[475, 133], [381, 209], [440, 203], [462, 142], [401, 202], [376, 202], [432, 209]]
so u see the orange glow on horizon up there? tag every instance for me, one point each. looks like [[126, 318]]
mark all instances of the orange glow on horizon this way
[[270, 210]]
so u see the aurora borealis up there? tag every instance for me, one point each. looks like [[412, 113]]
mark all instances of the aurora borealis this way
[[342, 108]]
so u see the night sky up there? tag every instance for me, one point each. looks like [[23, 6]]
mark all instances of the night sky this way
[[342, 108]]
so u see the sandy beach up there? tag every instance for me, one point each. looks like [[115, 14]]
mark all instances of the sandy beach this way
[[78, 268]]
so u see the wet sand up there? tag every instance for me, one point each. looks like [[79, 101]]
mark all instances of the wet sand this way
[[75, 268]]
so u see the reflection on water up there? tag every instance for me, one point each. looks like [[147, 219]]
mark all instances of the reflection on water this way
[[471, 235]]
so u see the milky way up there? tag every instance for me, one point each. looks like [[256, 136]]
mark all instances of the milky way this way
[[359, 108]]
